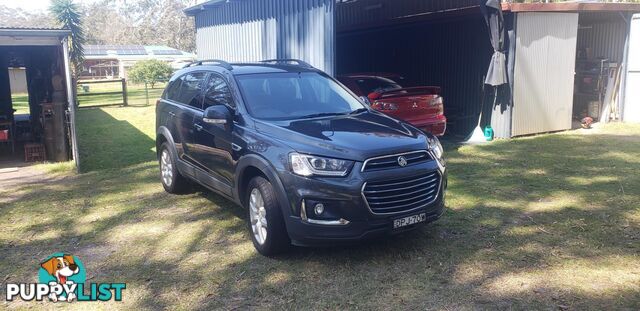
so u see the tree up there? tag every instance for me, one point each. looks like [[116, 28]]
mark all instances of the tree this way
[[150, 72], [143, 22], [16, 17], [69, 16]]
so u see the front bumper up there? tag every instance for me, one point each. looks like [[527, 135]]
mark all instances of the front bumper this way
[[347, 218]]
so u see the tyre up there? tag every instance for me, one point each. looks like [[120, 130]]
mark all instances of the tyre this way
[[172, 180], [265, 221]]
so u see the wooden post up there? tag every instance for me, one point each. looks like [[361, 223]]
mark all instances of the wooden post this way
[[146, 91], [124, 92]]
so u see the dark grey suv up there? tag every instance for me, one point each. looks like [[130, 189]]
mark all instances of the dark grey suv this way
[[308, 159]]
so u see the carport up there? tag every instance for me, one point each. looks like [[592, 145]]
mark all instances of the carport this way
[[36, 125], [442, 43]]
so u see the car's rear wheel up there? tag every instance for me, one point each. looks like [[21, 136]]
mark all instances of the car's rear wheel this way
[[172, 180], [265, 221]]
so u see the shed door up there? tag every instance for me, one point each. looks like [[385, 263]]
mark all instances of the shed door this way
[[632, 96], [544, 72]]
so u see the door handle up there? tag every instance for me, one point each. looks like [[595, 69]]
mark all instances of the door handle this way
[[198, 127], [172, 114]]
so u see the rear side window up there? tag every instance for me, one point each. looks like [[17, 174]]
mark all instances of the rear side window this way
[[191, 89], [217, 93], [173, 90]]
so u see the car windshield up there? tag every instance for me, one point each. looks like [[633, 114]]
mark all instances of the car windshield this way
[[288, 96], [377, 84]]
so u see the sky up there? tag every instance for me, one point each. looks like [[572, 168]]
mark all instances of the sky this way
[[39, 5], [32, 5]]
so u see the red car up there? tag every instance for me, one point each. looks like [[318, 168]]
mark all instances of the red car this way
[[421, 106]]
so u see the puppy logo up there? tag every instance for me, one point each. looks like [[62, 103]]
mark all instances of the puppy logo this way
[[62, 270], [62, 277], [61, 267]]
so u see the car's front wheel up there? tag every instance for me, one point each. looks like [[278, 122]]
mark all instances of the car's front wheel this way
[[266, 224], [172, 180]]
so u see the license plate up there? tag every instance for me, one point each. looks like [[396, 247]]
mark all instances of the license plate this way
[[409, 220]]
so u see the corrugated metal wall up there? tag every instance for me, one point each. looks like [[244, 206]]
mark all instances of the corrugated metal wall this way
[[631, 111], [252, 30], [606, 39], [453, 55], [362, 12], [544, 72]]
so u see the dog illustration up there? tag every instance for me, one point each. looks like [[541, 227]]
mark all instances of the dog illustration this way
[[61, 268]]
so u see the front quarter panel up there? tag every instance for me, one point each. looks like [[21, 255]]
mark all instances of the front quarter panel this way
[[268, 155]]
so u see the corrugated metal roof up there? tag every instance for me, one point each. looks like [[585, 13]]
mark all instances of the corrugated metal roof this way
[[30, 28], [33, 32]]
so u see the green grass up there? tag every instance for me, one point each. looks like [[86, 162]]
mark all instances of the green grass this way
[[20, 103], [545, 222]]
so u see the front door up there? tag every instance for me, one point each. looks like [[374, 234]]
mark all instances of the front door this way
[[213, 142]]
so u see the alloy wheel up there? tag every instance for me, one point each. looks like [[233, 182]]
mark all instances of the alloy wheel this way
[[166, 168], [258, 216]]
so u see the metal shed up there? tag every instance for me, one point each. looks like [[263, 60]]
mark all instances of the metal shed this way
[[240, 31], [49, 116], [435, 42], [552, 43], [631, 96]]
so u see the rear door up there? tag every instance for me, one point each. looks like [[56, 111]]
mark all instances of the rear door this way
[[213, 142], [185, 103]]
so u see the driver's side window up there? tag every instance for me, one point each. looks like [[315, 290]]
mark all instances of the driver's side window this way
[[217, 93]]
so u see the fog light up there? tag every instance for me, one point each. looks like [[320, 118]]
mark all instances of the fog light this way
[[319, 209]]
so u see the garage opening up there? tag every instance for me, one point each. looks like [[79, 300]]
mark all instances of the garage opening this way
[[443, 50], [599, 55], [34, 124]]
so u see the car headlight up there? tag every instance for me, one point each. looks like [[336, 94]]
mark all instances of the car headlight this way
[[436, 147], [308, 165]]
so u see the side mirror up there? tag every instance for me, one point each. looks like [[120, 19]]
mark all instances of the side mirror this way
[[218, 114], [373, 96]]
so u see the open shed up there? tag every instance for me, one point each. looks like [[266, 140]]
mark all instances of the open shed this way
[[38, 124], [560, 55]]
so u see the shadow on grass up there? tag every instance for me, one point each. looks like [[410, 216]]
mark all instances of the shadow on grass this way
[[109, 143], [533, 223]]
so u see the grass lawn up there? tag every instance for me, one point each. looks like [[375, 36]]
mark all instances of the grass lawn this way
[[547, 222], [20, 103]]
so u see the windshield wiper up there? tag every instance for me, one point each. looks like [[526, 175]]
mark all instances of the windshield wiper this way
[[323, 114], [359, 110]]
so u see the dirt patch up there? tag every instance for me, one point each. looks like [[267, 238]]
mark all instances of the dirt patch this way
[[14, 176]]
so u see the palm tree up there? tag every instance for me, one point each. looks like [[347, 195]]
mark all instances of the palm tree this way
[[68, 15]]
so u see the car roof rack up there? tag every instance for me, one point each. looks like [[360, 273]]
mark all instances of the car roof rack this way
[[215, 62], [288, 61]]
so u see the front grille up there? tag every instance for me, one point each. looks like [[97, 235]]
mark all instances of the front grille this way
[[402, 195], [391, 161]]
